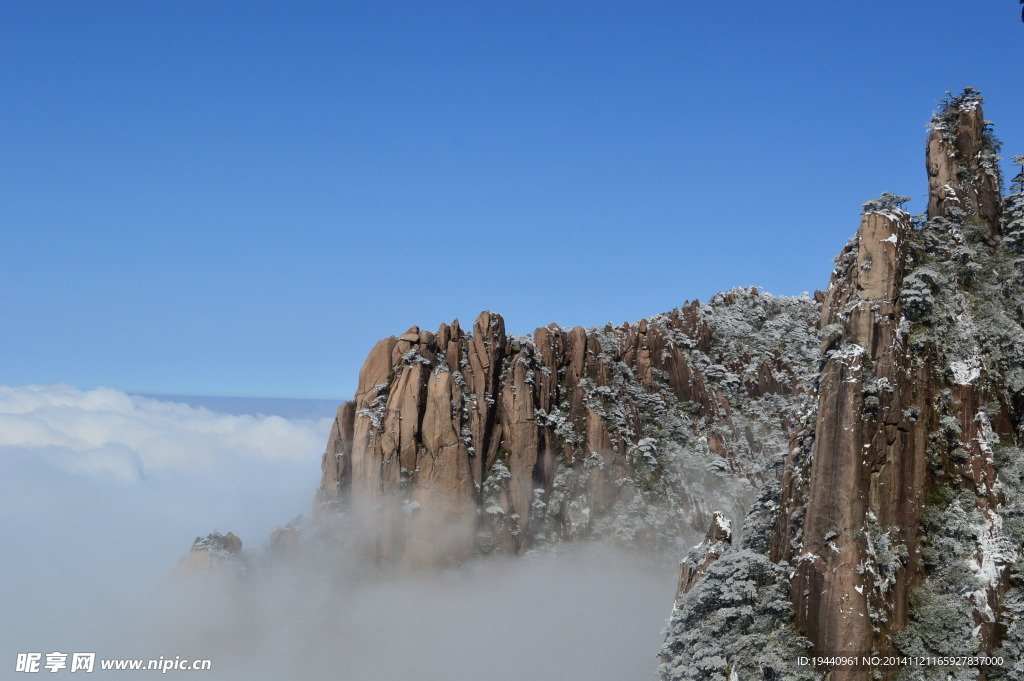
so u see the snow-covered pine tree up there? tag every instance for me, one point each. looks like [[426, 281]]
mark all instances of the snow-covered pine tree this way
[[1013, 211]]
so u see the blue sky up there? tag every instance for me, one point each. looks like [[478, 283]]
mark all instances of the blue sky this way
[[241, 198]]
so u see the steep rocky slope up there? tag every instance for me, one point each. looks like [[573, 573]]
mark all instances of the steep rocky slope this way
[[897, 525]]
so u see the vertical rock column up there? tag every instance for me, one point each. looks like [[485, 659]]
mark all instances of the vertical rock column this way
[[444, 494], [485, 352], [520, 435], [337, 460], [367, 451], [961, 165], [828, 590]]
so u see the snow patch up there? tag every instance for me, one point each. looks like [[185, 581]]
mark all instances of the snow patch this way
[[995, 551], [966, 372], [849, 352]]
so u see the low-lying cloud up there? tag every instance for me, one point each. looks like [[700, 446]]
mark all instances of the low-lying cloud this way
[[592, 613], [108, 433], [101, 494]]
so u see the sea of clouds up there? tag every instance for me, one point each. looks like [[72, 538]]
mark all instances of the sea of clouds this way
[[102, 493], [105, 433]]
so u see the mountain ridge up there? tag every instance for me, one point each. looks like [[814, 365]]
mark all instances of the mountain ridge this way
[[864, 442]]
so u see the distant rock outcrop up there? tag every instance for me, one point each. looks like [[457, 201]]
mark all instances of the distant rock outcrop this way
[[209, 555]]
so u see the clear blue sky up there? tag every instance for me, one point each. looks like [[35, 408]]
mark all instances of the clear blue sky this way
[[241, 198]]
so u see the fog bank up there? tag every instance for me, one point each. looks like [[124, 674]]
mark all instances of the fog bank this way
[[101, 494]]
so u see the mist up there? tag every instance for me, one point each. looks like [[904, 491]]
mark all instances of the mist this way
[[591, 614], [102, 493]]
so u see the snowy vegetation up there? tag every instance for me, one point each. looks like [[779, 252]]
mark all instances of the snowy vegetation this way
[[886, 203], [736, 622], [962, 308], [1010, 466], [947, 120], [963, 303], [677, 481], [216, 543]]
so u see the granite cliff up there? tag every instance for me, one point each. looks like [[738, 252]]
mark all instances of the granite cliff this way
[[865, 443], [896, 528], [467, 443]]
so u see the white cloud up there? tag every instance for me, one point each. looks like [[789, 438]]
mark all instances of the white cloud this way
[[108, 433], [85, 554]]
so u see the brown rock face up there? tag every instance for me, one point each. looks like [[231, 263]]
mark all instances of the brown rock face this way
[[444, 496], [860, 474], [337, 460], [459, 443], [856, 448], [232, 544], [284, 541], [960, 173]]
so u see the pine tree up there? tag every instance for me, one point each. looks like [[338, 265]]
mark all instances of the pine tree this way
[[1013, 211]]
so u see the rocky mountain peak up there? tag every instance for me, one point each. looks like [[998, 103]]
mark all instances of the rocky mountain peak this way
[[962, 162], [896, 530]]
